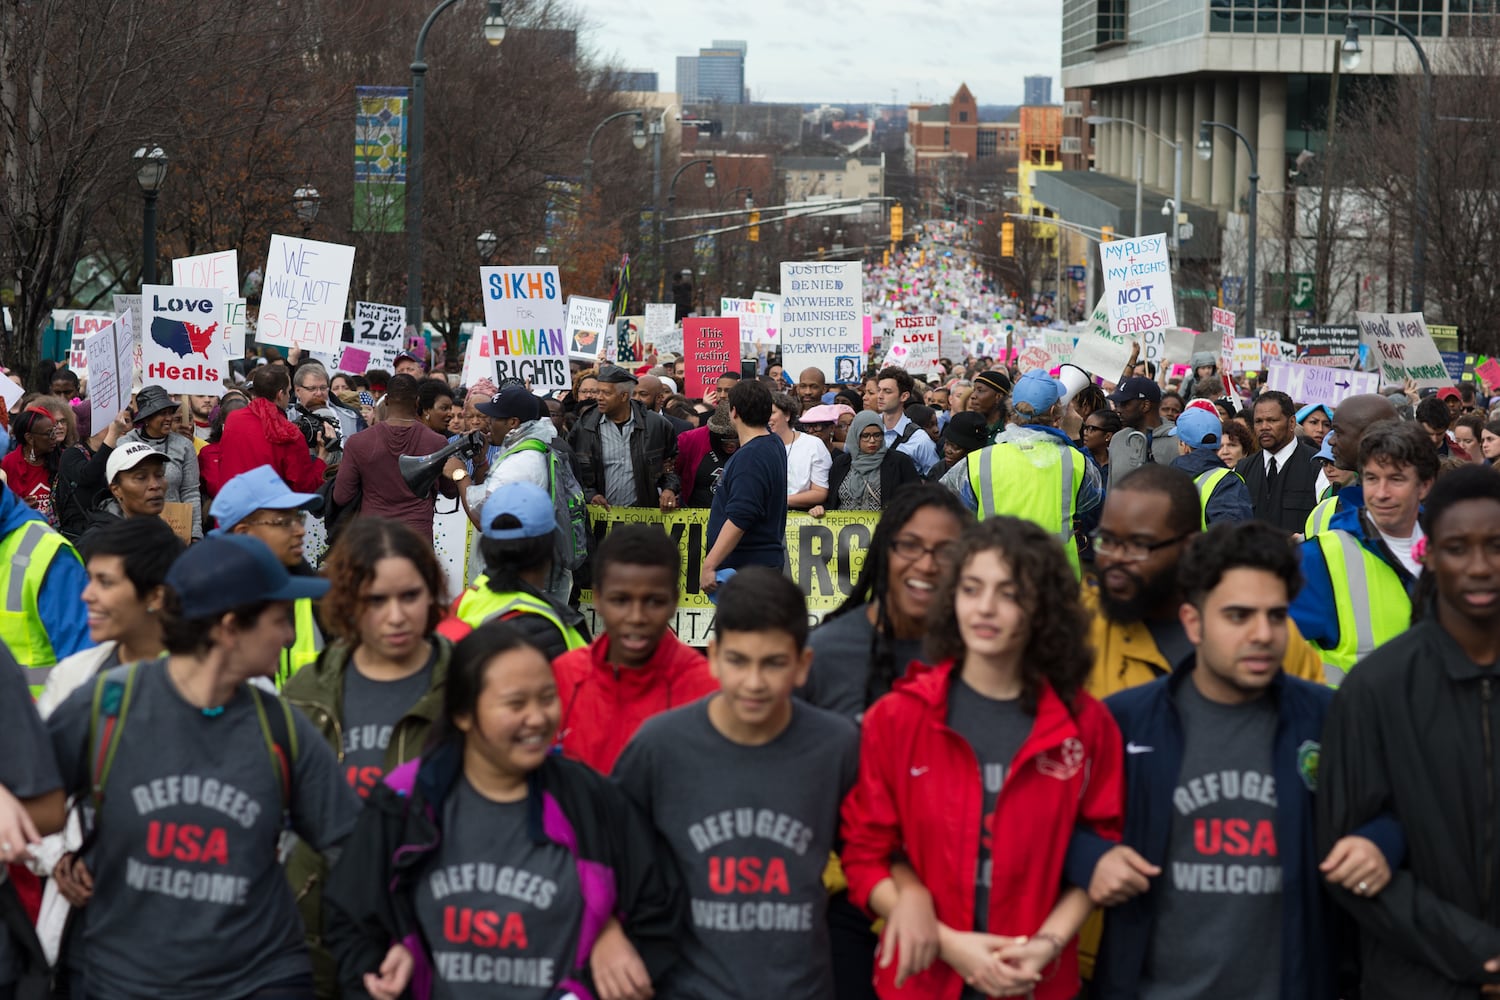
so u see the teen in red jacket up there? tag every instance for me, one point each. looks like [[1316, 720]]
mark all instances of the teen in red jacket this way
[[637, 668], [1006, 706]]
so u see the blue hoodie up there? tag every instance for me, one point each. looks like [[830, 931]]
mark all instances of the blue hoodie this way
[[1230, 500], [60, 603]]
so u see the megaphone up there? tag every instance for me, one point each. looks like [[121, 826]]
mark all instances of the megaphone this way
[[1073, 379], [420, 472]]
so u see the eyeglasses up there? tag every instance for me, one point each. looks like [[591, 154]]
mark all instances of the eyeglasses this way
[[871, 435], [913, 550], [285, 521], [1131, 549], [1092, 427]]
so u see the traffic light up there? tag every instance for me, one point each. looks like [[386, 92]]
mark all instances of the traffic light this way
[[1007, 239], [1106, 234], [897, 218], [754, 234]]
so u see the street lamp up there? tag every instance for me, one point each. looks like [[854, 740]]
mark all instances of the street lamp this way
[[1205, 149], [637, 139], [539, 256], [658, 128], [150, 171], [305, 200], [486, 242], [494, 31], [1172, 236], [710, 178], [1350, 54]]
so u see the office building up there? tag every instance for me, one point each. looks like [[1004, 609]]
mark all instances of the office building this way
[[1038, 90], [644, 80], [721, 73], [687, 78]]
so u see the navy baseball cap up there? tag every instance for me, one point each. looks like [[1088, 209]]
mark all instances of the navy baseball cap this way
[[1136, 387], [511, 401], [227, 571]]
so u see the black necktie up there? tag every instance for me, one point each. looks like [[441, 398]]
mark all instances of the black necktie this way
[[1270, 476]]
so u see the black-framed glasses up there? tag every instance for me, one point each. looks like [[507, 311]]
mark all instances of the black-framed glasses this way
[[1093, 427], [912, 549], [1131, 549]]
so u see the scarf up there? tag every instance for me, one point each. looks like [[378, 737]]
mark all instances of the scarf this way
[[864, 470], [278, 429]]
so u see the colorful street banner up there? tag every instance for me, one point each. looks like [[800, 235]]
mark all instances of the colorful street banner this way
[[181, 345], [1404, 349], [524, 316], [380, 159]]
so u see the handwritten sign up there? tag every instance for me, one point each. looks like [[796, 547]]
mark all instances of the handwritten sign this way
[[377, 329], [661, 320], [1224, 324], [1490, 372], [711, 346], [478, 359], [1138, 285], [305, 294], [219, 270], [84, 325], [1100, 350], [1404, 349], [758, 317], [114, 350], [181, 345], [1332, 346], [179, 516], [1245, 356], [822, 319], [919, 337], [1308, 384], [588, 319], [524, 317]]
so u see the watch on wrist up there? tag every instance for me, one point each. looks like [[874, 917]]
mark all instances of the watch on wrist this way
[[459, 475]]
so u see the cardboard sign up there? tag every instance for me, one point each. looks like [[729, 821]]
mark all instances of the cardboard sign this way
[[377, 329], [1308, 384], [1338, 344], [823, 320], [758, 317], [114, 350], [524, 315], [182, 347], [1246, 355], [661, 321], [918, 337], [1224, 323], [1138, 285], [179, 516], [354, 360], [1100, 350], [588, 321], [711, 347], [305, 294], [1404, 349], [219, 270]]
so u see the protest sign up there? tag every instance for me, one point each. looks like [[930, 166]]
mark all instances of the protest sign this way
[[179, 517], [478, 359], [661, 319], [1101, 351], [524, 314], [377, 329], [1308, 384], [758, 318], [113, 349], [181, 345], [1489, 371], [1245, 356], [83, 325], [588, 320], [1138, 285], [1224, 324], [822, 319], [219, 270], [1334, 346], [354, 360], [1153, 346], [305, 294], [1404, 349], [1179, 343], [918, 335], [10, 393], [710, 347]]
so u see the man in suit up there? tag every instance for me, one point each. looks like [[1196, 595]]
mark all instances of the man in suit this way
[[1281, 476]]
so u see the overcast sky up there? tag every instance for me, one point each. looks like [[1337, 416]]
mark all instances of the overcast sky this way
[[813, 50]]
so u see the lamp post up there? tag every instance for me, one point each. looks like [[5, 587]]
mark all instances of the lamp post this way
[[1349, 58], [305, 200], [637, 138], [150, 171], [710, 178], [485, 243], [494, 33], [1172, 235], [1206, 153]]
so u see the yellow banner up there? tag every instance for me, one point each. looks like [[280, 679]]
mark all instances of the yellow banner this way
[[824, 557]]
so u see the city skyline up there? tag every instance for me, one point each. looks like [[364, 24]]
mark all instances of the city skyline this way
[[864, 58]]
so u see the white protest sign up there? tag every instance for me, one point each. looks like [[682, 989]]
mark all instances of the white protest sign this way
[[235, 316], [661, 319], [1101, 351], [1179, 344], [1404, 349], [83, 326], [219, 270], [919, 338], [113, 348], [10, 393], [758, 317], [1308, 384], [1138, 285], [588, 321], [822, 319], [1245, 356], [1154, 346], [478, 359], [305, 294], [524, 317], [1224, 323], [181, 344], [377, 329]]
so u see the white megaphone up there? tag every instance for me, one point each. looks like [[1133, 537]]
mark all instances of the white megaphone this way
[[1073, 379]]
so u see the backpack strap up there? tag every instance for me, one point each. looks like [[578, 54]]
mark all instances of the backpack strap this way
[[281, 741], [906, 435], [111, 706]]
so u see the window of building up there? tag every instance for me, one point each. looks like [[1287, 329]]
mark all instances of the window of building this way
[[986, 142], [963, 116], [1110, 23], [947, 138]]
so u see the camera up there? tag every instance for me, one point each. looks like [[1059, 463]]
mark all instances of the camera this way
[[311, 425]]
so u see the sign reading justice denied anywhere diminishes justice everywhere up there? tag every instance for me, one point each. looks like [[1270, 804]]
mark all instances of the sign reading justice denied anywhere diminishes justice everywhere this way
[[822, 319]]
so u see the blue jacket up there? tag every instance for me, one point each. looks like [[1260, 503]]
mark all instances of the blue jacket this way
[[60, 602], [1147, 717], [1230, 500], [1313, 609]]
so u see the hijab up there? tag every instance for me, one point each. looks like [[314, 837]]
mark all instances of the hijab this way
[[865, 469]]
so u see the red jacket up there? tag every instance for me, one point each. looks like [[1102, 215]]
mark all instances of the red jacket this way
[[919, 793], [260, 434], [603, 705]]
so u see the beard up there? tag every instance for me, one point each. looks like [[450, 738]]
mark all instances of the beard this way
[[1149, 595]]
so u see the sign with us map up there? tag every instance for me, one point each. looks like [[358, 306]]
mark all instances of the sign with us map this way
[[182, 349]]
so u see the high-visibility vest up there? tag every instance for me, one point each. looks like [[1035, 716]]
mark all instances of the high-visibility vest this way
[[1319, 516], [480, 604], [1207, 482], [305, 647], [1373, 606], [26, 554], [1036, 481]]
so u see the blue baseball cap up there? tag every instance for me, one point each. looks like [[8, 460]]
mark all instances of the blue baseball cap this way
[[227, 571], [526, 502], [1325, 453], [1038, 390], [259, 489], [1199, 428]]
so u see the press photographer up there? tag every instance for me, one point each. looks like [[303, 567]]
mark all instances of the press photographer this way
[[261, 434]]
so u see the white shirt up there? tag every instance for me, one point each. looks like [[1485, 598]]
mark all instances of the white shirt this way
[[807, 464], [1401, 548], [1281, 456]]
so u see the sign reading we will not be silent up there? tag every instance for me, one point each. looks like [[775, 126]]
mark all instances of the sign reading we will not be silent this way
[[525, 320], [305, 294], [711, 347]]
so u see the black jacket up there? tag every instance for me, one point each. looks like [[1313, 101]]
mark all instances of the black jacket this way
[[896, 470], [1415, 731], [653, 446], [80, 480], [368, 902], [1287, 503]]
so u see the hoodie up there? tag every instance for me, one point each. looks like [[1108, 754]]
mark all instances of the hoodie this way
[[1230, 500], [59, 602], [1200, 359], [604, 704]]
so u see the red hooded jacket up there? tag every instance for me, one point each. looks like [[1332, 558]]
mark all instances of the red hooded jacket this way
[[919, 793], [260, 434], [603, 705]]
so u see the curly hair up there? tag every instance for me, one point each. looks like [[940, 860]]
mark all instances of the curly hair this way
[[350, 567], [1057, 651]]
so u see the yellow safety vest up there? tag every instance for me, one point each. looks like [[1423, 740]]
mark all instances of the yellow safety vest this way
[[26, 554], [1207, 482], [305, 647], [1319, 516], [1036, 481], [1373, 607], [480, 604]]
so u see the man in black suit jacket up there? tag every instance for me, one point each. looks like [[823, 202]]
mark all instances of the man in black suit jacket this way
[[1281, 476]]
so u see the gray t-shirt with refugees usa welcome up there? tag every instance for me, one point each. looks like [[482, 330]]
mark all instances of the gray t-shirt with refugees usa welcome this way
[[189, 899], [751, 828], [26, 770]]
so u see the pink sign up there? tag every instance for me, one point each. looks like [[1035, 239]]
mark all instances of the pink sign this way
[[711, 347], [354, 360], [869, 335], [1490, 372]]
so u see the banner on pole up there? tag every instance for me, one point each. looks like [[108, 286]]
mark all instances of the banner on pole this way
[[380, 159]]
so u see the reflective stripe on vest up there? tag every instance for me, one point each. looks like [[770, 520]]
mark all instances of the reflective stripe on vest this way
[[1373, 607], [305, 647], [1003, 469], [1207, 482], [27, 554], [1319, 516], [481, 604]]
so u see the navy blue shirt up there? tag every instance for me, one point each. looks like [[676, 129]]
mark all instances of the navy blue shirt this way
[[752, 494]]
